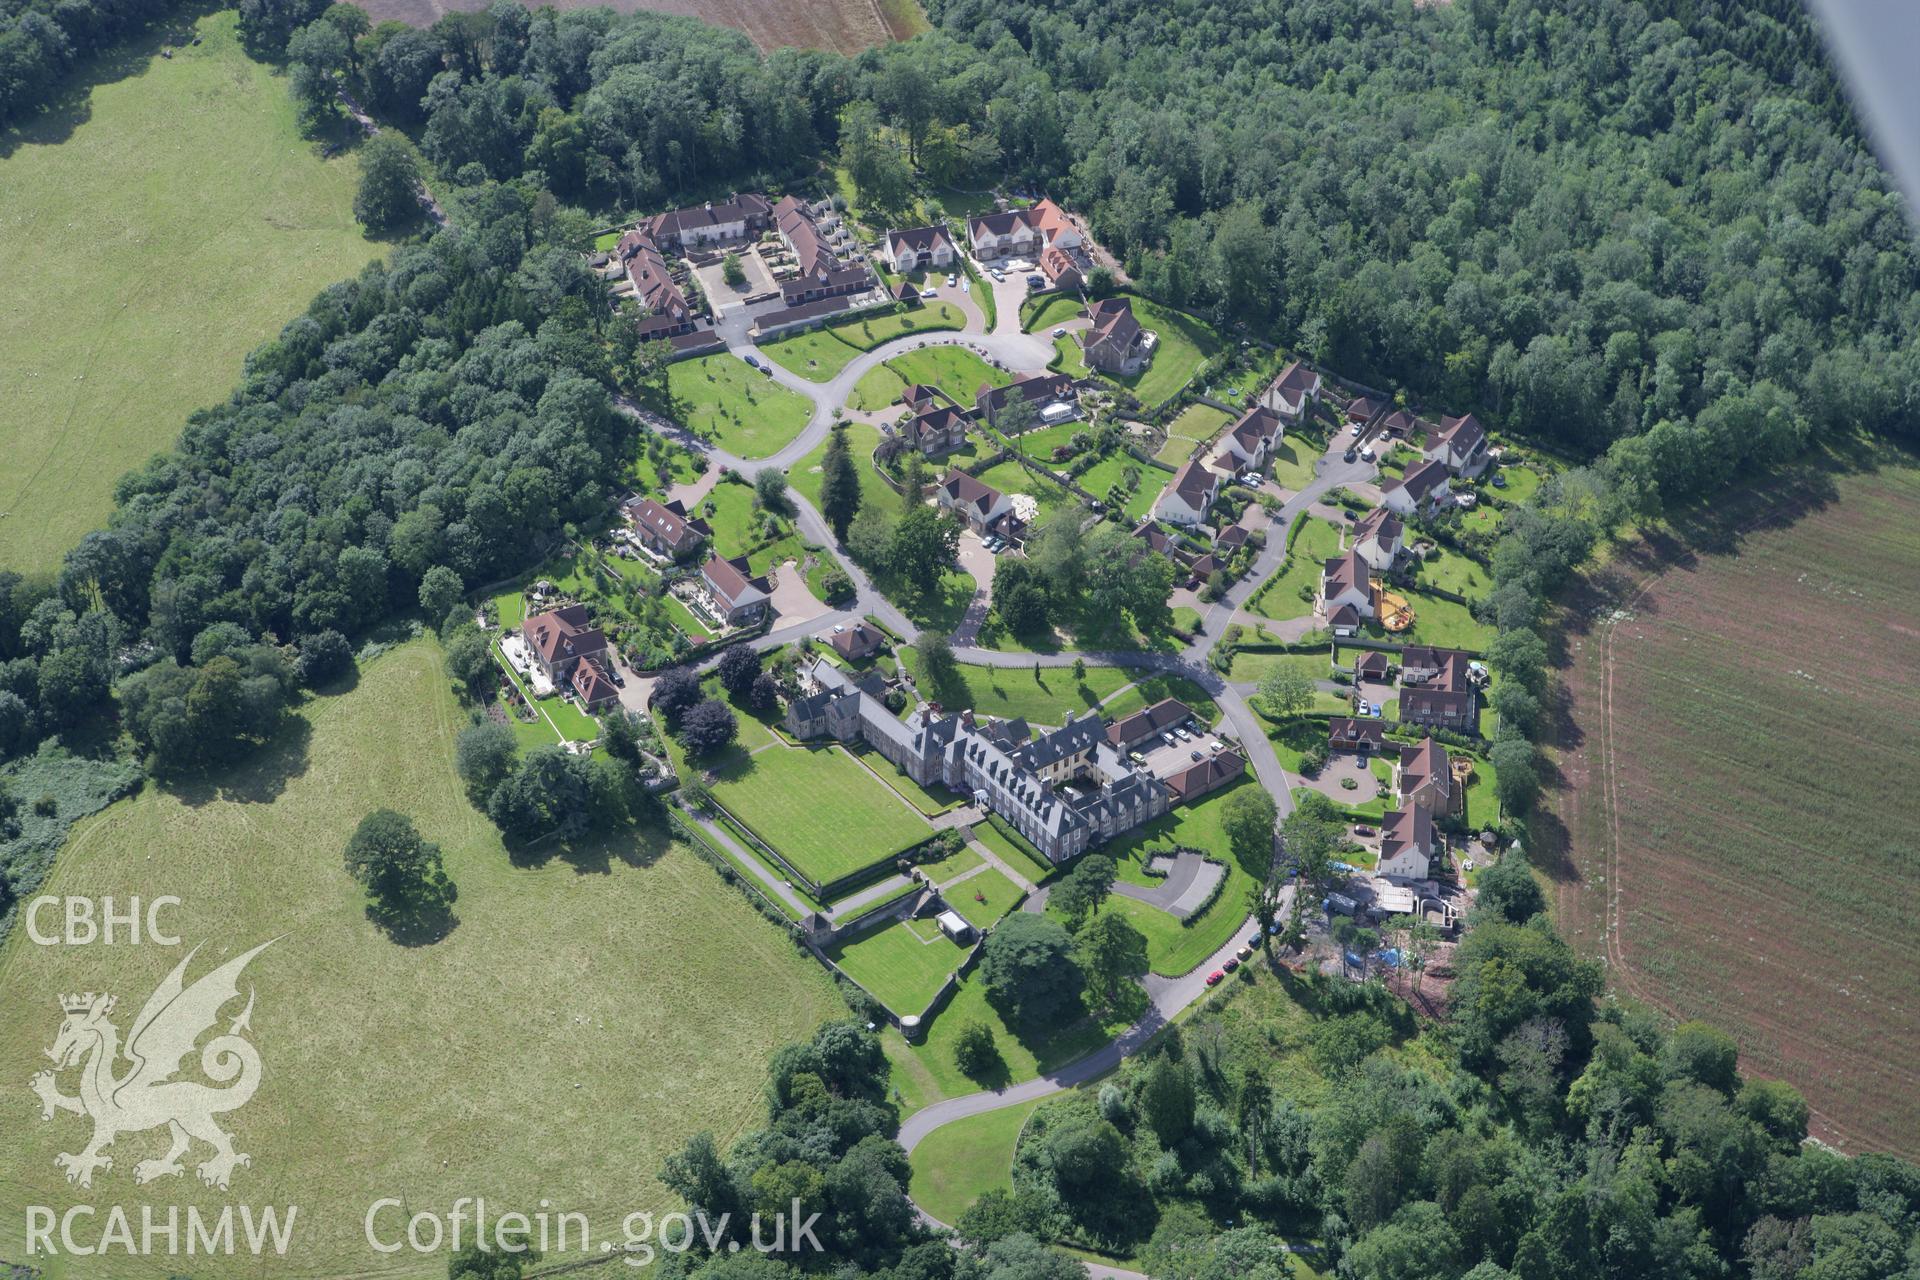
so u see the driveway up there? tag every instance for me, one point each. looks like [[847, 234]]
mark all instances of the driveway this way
[[792, 602], [978, 562], [1345, 766]]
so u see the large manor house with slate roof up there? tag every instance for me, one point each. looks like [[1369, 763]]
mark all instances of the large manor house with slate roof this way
[[1066, 790]]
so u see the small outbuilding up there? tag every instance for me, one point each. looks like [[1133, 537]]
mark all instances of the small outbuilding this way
[[955, 926]]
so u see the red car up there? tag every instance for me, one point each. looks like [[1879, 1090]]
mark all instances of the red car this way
[[1233, 962], [1215, 978]]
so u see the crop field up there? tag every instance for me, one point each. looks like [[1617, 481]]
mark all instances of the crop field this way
[[745, 413], [1734, 829], [149, 239], [410, 1070], [819, 807], [845, 26]]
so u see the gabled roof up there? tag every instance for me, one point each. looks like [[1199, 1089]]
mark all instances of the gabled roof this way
[[739, 208], [1070, 739], [1401, 423], [1049, 219], [1425, 763], [1000, 224], [1345, 572], [1060, 268], [591, 682], [1211, 771], [668, 522], [1231, 538], [918, 239], [563, 634], [917, 395], [1370, 663], [1195, 484], [1113, 321], [1257, 426], [1421, 480], [1461, 435], [730, 582], [938, 420], [1362, 408], [1036, 388], [965, 491], [1356, 729], [1148, 721], [1295, 381], [1404, 829], [1378, 523]]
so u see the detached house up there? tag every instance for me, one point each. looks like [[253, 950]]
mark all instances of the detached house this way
[[572, 653], [936, 429], [1293, 392], [1378, 539], [860, 641], [736, 598], [1022, 232], [1423, 778], [1346, 593], [1188, 497], [919, 248], [1408, 845], [1460, 445], [1422, 489], [1248, 443], [734, 219], [984, 508], [1356, 733], [666, 311], [1050, 396], [1437, 688], [665, 528], [1115, 343]]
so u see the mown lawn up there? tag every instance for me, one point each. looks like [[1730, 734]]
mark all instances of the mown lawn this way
[[1040, 443], [926, 1072], [816, 354], [984, 898], [1046, 695], [928, 800], [819, 807], [879, 388], [1437, 622], [958, 1163], [1009, 477], [745, 413], [1451, 571], [1184, 342], [1292, 464], [1049, 311], [957, 371], [1034, 868], [1196, 424], [1150, 689], [149, 239], [804, 475], [876, 331], [739, 528], [615, 950], [1115, 469], [897, 966], [1280, 599], [1174, 948]]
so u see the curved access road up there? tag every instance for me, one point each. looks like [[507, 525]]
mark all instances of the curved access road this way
[[1007, 345]]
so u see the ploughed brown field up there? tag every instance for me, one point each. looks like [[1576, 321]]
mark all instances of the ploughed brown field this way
[[846, 26], [1737, 828]]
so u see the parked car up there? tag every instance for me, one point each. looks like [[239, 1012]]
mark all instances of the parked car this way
[[1246, 952], [952, 280], [1170, 739], [1233, 962], [752, 362], [1215, 978], [1367, 453], [1036, 282], [1136, 757], [1253, 942], [1356, 428], [999, 275], [1197, 755], [1363, 830], [1059, 333], [1349, 455]]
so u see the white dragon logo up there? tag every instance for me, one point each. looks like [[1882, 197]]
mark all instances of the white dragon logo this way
[[147, 1096]]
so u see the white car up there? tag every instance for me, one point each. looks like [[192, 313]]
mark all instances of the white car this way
[[1367, 453], [1356, 428], [1059, 333], [952, 280]]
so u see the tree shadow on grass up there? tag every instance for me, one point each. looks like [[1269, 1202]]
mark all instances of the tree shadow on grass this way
[[597, 852], [417, 929], [72, 106], [261, 777]]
